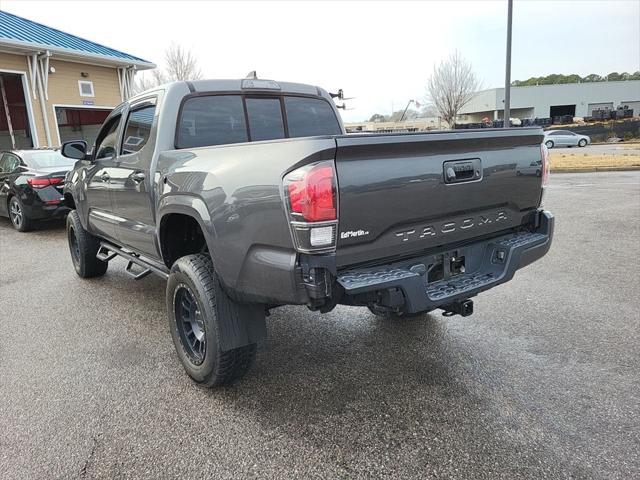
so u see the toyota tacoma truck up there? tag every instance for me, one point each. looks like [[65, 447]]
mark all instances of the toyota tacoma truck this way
[[248, 194]]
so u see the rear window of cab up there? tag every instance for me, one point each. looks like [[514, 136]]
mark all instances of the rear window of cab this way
[[207, 120]]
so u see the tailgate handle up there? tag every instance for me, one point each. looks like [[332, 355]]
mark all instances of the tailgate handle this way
[[458, 171]]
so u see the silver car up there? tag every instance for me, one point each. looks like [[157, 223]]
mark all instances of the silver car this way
[[565, 138]]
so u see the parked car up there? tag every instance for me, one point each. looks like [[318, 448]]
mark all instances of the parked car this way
[[565, 138], [247, 195], [31, 185]]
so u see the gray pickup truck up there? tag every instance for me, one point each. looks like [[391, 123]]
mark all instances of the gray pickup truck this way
[[247, 195]]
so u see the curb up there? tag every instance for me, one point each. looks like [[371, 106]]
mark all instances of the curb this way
[[595, 169]]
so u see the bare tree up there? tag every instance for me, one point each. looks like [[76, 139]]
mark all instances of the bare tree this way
[[180, 64], [148, 80], [451, 86]]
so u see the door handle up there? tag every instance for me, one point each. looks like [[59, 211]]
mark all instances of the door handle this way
[[105, 177], [459, 171], [138, 177]]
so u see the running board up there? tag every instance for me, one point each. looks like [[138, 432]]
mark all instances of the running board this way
[[108, 251]]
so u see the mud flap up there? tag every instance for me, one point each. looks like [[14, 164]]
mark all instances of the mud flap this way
[[240, 324]]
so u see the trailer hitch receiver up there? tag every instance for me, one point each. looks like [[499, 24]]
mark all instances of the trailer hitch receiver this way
[[462, 307]]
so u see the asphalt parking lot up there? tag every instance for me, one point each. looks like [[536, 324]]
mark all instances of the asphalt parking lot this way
[[543, 381], [602, 149]]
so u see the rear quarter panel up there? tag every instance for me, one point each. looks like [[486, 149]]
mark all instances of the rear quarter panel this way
[[241, 186]]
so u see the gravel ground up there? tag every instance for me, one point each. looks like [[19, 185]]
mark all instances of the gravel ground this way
[[543, 381]]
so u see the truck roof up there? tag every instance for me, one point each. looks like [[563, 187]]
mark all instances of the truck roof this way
[[243, 85], [247, 84]]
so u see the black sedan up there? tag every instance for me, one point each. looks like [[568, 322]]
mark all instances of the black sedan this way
[[31, 183]]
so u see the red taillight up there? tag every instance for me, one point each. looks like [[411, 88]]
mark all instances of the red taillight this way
[[312, 192], [41, 182], [36, 182]]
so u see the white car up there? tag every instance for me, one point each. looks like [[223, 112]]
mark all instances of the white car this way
[[565, 138]]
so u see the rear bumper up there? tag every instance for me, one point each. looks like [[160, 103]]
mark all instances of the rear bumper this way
[[405, 284], [48, 211], [44, 203]]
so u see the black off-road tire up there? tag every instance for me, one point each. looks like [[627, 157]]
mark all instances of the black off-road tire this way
[[194, 276], [83, 248], [17, 215]]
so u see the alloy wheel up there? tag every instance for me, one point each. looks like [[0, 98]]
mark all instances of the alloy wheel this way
[[190, 324], [15, 212]]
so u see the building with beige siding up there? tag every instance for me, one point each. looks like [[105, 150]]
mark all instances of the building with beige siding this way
[[55, 86]]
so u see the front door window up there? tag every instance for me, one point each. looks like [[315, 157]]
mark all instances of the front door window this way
[[107, 141]]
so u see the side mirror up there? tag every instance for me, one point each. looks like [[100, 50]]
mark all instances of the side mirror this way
[[75, 149]]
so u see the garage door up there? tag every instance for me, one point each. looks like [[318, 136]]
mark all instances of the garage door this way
[[76, 123], [15, 124], [598, 106]]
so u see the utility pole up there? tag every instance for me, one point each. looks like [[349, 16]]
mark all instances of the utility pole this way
[[507, 76]]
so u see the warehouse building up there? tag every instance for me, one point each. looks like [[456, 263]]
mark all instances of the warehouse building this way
[[55, 86], [548, 101]]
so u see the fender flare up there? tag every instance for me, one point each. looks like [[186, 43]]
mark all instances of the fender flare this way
[[192, 206]]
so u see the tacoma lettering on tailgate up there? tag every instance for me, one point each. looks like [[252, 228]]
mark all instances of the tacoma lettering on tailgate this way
[[452, 226]]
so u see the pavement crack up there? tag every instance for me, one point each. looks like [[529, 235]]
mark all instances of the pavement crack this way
[[87, 462]]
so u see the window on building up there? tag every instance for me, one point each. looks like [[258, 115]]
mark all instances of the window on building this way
[[86, 88]]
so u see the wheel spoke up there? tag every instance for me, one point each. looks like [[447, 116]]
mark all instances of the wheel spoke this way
[[186, 305], [15, 212], [190, 323], [199, 319]]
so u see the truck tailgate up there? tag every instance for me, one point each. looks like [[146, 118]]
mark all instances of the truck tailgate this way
[[405, 193]]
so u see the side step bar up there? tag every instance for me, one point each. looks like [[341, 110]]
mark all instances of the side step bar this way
[[108, 251]]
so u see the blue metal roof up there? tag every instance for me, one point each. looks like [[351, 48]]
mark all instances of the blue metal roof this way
[[15, 28]]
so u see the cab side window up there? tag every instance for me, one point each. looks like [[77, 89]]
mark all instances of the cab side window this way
[[138, 129], [107, 141]]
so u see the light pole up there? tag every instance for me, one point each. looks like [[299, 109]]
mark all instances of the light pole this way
[[507, 76]]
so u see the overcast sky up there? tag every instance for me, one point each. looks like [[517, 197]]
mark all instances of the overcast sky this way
[[379, 52]]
